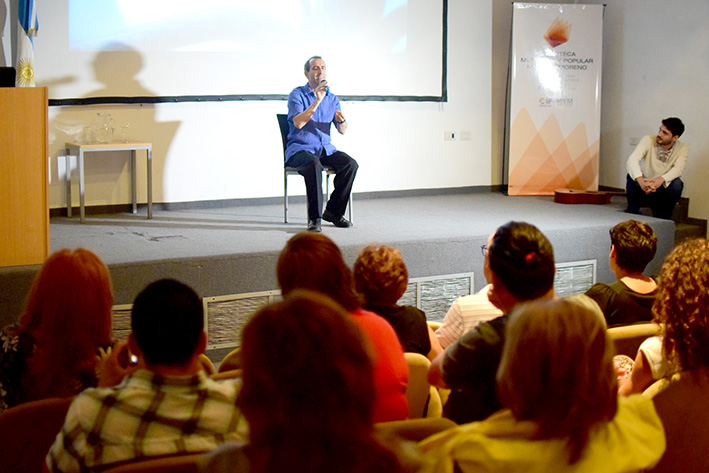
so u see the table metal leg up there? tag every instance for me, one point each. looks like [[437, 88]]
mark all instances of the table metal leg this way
[[67, 179], [80, 165], [133, 191], [150, 182]]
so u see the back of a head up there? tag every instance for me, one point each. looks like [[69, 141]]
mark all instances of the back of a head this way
[[522, 259], [69, 304], [635, 245], [557, 370], [308, 388], [167, 322], [675, 125], [682, 304], [313, 261], [380, 274], [71, 291]]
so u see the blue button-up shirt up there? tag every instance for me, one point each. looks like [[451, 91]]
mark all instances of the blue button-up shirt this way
[[315, 135]]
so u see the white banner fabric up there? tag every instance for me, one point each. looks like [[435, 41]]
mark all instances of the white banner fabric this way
[[555, 98]]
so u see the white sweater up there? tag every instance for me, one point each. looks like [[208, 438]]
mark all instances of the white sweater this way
[[645, 162]]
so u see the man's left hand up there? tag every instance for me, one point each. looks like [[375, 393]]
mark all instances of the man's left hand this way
[[340, 122]]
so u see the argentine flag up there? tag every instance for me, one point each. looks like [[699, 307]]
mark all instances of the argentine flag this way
[[27, 16]]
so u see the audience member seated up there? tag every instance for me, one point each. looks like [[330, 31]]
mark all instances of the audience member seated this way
[[562, 413], [308, 393], [313, 261], [69, 305], [166, 406], [681, 309], [522, 269], [381, 277], [467, 312], [629, 299]]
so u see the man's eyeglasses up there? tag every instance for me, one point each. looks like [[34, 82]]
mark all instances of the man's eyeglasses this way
[[483, 249]]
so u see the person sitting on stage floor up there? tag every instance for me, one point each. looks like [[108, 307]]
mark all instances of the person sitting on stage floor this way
[[628, 300], [312, 109], [308, 394], [313, 261], [69, 305], [166, 405], [381, 277], [522, 269], [655, 168], [562, 412], [467, 312]]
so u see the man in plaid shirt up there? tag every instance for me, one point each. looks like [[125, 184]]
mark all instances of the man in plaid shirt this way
[[166, 406]]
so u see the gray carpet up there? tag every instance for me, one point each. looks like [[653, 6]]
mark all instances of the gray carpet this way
[[233, 250]]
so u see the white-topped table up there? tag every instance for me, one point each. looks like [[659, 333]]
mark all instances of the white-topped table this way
[[80, 149]]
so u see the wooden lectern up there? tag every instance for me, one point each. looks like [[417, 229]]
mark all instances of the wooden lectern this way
[[24, 205]]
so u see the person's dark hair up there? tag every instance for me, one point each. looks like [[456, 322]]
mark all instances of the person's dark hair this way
[[522, 259], [167, 322], [557, 371], [380, 274], [313, 261], [307, 63], [635, 245], [308, 390], [675, 125], [682, 304]]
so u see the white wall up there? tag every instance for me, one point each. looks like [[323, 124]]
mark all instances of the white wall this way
[[656, 55], [213, 151]]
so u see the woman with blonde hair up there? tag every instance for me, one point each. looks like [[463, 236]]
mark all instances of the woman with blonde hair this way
[[561, 411], [51, 351]]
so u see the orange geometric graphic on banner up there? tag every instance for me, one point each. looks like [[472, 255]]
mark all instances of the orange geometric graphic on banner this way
[[558, 33], [544, 160]]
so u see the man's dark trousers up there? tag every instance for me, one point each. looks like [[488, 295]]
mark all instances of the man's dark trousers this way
[[662, 201], [310, 166]]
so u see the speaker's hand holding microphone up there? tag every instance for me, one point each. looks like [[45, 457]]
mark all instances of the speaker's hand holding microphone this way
[[321, 89]]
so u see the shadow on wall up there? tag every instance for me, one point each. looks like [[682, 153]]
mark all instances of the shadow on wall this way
[[117, 68]]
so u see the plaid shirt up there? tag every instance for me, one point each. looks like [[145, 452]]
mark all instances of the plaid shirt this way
[[147, 415]]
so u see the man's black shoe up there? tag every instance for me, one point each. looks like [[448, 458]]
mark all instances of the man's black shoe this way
[[314, 225], [337, 220]]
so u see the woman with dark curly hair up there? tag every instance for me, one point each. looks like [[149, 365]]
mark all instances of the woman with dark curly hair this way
[[682, 307]]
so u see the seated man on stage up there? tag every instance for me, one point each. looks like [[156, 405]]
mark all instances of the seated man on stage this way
[[654, 170], [312, 108]]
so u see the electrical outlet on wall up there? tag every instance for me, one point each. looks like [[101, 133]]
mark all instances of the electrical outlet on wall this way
[[449, 136]]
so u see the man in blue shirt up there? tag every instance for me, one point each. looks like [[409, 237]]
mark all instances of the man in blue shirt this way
[[312, 108]]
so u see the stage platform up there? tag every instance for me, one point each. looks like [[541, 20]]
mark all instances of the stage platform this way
[[233, 250]]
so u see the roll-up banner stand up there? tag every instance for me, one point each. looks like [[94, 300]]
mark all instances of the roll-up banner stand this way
[[554, 98]]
